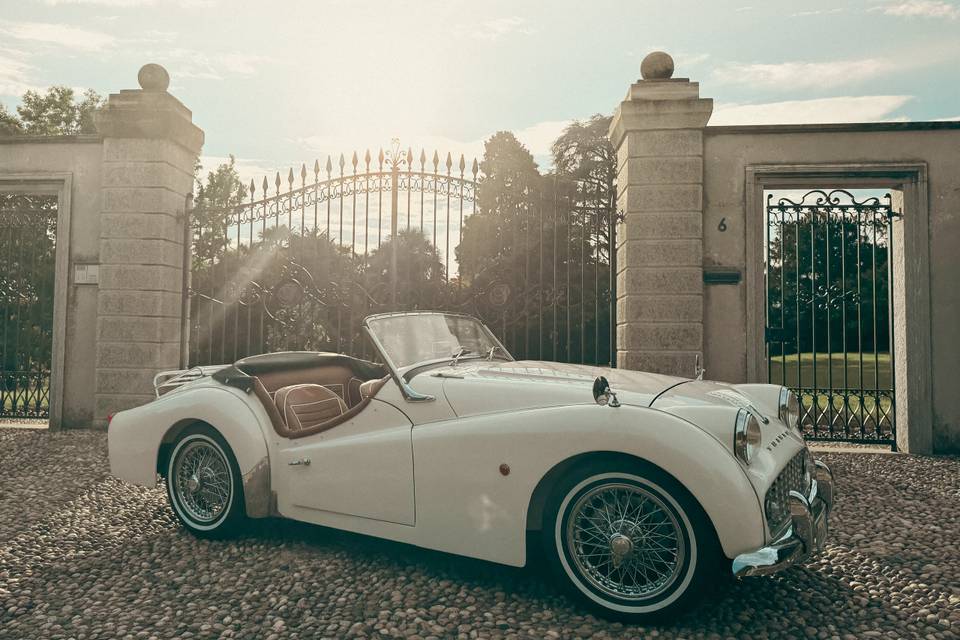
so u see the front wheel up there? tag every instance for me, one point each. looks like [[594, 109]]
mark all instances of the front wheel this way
[[630, 541], [203, 483]]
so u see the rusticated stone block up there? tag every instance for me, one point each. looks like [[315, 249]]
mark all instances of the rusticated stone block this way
[[655, 171], [146, 174], [676, 363], [141, 251], [143, 200], [657, 225], [124, 381], [662, 198], [660, 280], [146, 355], [657, 308], [660, 144], [140, 225], [138, 329], [669, 336], [138, 303], [140, 277], [656, 253], [147, 150]]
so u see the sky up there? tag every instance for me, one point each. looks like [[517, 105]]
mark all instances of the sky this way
[[279, 82]]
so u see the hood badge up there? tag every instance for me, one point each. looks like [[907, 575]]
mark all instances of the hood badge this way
[[740, 401]]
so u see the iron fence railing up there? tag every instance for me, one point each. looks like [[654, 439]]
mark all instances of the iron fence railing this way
[[299, 263]]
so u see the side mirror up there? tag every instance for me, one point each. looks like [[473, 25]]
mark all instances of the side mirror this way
[[603, 394]]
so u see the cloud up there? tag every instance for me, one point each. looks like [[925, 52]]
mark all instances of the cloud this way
[[804, 75], [247, 168], [821, 110], [61, 35], [920, 9], [190, 63], [126, 4], [14, 73], [499, 27], [816, 12], [537, 138]]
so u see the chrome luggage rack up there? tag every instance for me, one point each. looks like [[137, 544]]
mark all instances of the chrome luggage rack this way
[[167, 381]]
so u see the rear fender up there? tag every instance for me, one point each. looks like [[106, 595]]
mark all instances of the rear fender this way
[[137, 437]]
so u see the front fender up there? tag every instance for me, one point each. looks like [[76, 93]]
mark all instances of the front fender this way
[[459, 486], [135, 436]]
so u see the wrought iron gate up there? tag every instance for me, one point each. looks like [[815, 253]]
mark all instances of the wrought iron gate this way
[[299, 263], [28, 227], [829, 315]]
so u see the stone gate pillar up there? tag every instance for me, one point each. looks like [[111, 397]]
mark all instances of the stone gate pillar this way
[[150, 146], [657, 132]]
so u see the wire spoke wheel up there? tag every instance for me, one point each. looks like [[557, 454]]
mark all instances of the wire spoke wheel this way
[[625, 541], [202, 481]]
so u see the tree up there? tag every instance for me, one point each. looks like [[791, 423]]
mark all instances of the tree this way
[[213, 210], [58, 112], [9, 123], [834, 274], [586, 164], [492, 242], [420, 274]]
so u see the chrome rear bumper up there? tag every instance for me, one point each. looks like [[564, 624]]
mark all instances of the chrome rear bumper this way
[[806, 535]]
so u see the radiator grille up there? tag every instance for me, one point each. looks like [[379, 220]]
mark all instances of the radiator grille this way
[[790, 479]]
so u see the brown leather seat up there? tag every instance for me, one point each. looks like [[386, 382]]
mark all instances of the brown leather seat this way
[[305, 406]]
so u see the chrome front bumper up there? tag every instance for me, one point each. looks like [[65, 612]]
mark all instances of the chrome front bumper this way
[[806, 535]]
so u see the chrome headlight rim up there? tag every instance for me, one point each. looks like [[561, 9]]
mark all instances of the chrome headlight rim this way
[[789, 409], [746, 435]]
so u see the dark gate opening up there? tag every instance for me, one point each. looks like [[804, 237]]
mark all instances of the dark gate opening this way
[[28, 228], [829, 310], [300, 262]]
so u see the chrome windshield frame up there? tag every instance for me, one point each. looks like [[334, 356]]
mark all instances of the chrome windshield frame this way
[[406, 390]]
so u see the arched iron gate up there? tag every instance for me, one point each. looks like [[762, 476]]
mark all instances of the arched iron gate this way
[[302, 261]]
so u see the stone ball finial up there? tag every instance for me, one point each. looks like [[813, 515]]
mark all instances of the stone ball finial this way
[[153, 77], [657, 66]]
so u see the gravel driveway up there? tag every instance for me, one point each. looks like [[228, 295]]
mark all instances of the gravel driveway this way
[[84, 556]]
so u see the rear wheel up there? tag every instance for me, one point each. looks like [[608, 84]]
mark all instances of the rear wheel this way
[[203, 483], [630, 541]]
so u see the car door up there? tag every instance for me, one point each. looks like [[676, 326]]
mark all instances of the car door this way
[[362, 467]]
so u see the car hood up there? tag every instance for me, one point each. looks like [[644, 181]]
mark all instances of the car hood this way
[[476, 387], [480, 386]]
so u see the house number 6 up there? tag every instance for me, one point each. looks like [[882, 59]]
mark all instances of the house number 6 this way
[[723, 224]]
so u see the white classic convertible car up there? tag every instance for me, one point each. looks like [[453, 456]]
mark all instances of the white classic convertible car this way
[[644, 488]]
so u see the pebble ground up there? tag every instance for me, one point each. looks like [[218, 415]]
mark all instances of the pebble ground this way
[[84, 556]]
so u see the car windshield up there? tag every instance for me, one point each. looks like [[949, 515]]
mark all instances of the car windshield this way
[[410, 339]]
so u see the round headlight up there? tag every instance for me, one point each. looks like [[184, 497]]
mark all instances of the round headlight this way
[[790, 408], [747, 435]]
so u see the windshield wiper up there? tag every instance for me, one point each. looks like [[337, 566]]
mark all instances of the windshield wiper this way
[[460, 352], [493, 350]]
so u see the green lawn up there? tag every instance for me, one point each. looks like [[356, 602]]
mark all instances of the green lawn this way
[[796, 370]]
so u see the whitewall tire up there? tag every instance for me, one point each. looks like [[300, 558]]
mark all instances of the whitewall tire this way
[[203, 483], [629, 541]]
